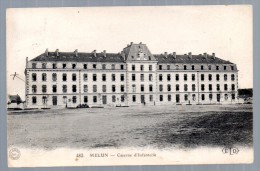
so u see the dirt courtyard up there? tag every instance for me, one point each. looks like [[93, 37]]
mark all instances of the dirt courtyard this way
[[180, 126]]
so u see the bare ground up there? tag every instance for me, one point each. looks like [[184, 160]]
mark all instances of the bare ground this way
[[153, 126]]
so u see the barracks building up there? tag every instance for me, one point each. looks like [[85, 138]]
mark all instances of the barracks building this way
[[134, 76]]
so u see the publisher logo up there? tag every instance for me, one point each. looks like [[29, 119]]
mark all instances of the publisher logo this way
[[230, 151], [14, 154]]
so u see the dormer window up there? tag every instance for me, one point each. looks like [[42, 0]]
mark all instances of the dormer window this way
[[85, 66], [94, 66], [202, 67], [185, 67], [73, 66], [44, 65], [232, 67], [103, 66], [64, 66], [33, 65], [54, 66], [209, 67], [113, 66]]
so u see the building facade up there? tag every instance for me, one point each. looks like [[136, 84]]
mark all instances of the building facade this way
[[134, 76]]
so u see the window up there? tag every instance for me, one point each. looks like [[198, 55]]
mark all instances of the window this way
[[74, 77], [217, 77], [169, 88], [210, 77], [142, 77], [193, 87], [232, 67], [225, 77], [122, 98], [225, 87], [113, 66], [85, 99], [74, 88], [218, 87], [185, 77], [142, 87], [74, 99], [43, 65], [34, 88], [64, 88], [34, 100], [54, 88], [202, 67], [85, 66], [210, 87], [44, 99], [44, 88], [168, 77], [122, 88], [122, 77], [54, 66], [160, 77], [133, 67], [34, 77], [113, 77], [150, 67], [185, 87], [64, 66], [177, 87], [85, 88], [210, 96], [150, 87], [54, 100], [160, 67], [161, 98], [104, 78], [33, 65], [186, 97], [184, 67], [44, 77], [193, 77], [73, 66], [217, 67], [104, 88], [94, 88], [141, 67], [225, 67], [85, 77], [113, 98], [203, 97], [94, 99], [150, 77], [193, 97], [168, 67], [233, 87], [54, 77], [177, 67], [151, 98], [122, 67], [177, 77], [64, 77], [192, 67], [202, 87], [232, 77], [226, 96], [94, 77], [133, 88], [103, 66], [134, 98], [133, 77], [94, 66], [113, 88], [169, 97], [202, 77], [233, 96], [161, 87], [209, 67]]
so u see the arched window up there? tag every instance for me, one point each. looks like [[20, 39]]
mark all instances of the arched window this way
[[34, 100]]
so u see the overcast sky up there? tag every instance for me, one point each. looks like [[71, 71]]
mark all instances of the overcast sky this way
[[224, 30]]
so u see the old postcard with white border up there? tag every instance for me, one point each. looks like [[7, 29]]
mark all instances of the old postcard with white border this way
[[99, 86]]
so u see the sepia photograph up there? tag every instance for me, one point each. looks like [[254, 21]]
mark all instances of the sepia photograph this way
[[106, 86]]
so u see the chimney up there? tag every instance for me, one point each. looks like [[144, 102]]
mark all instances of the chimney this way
[[205, 55], [123, 55], [57, 52], [105, 53], [95, 53], [213, 55], [26, 62], [190, 55], [140, 42], [174, 55], [131, 43], [46, 52], [76, 52], [165, 54]]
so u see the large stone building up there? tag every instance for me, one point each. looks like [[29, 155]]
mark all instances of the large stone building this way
[[134, 76]]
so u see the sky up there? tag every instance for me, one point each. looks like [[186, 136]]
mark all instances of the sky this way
[[224, 30]]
